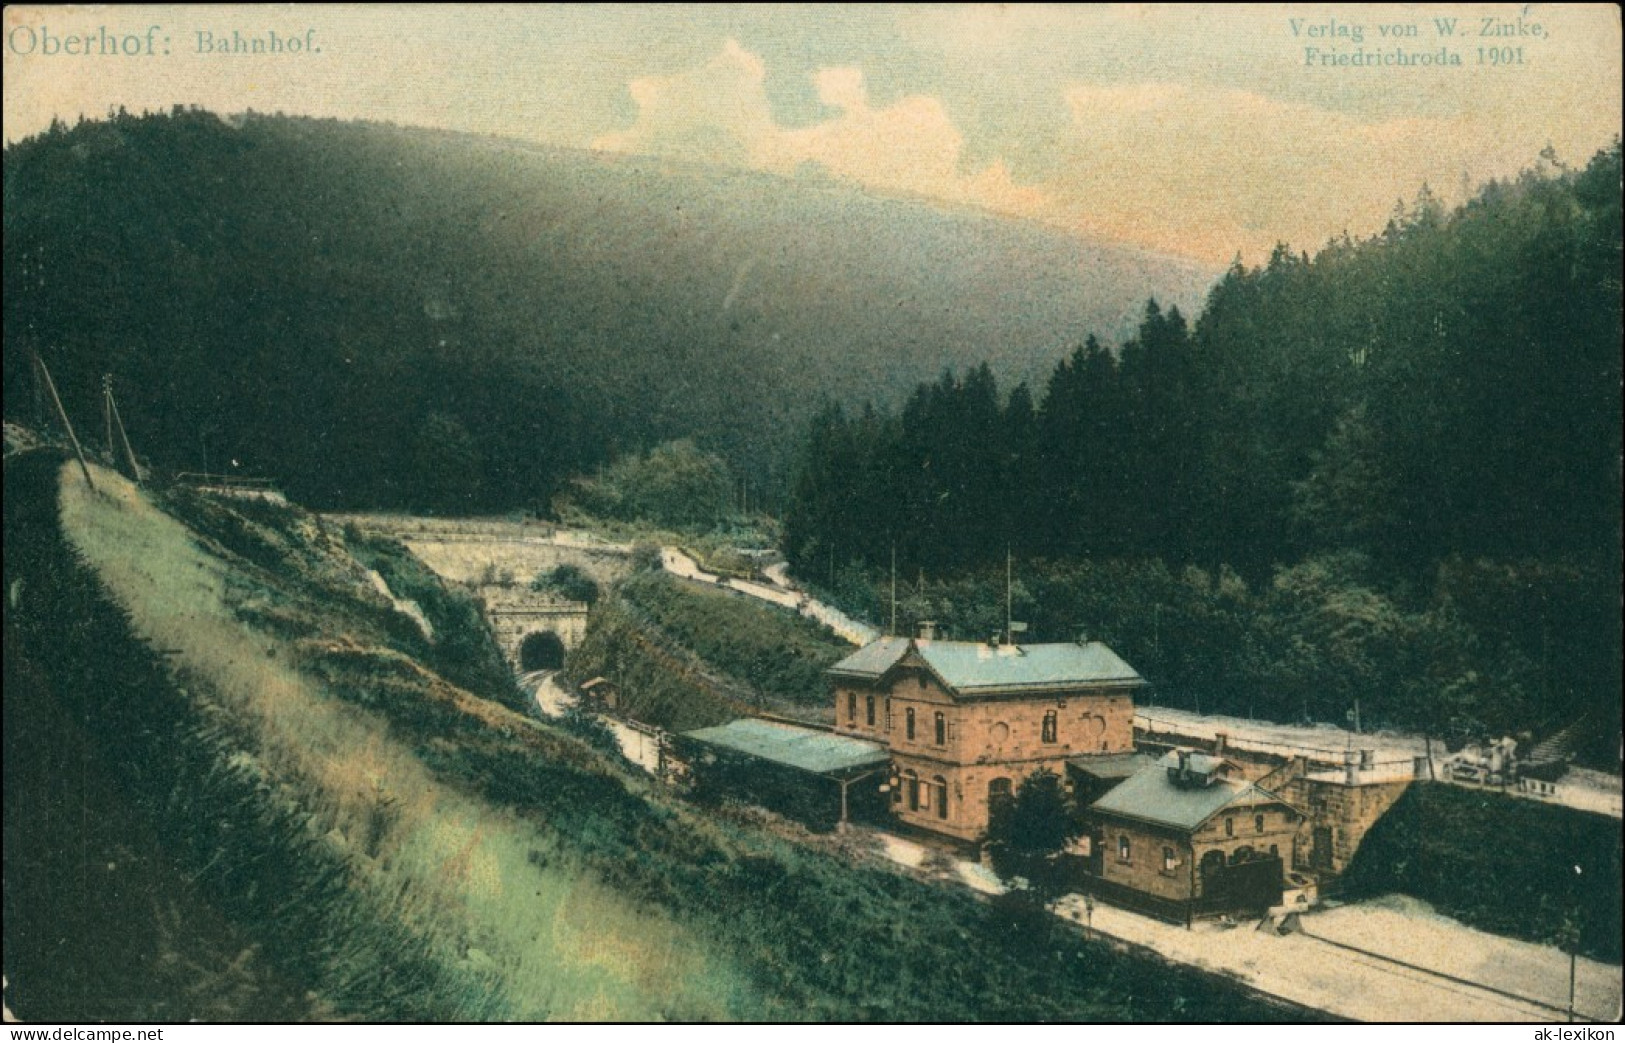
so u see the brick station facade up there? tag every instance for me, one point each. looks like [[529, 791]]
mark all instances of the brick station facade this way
[[967, 722]]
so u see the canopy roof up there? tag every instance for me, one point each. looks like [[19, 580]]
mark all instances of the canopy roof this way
[[807, 749]]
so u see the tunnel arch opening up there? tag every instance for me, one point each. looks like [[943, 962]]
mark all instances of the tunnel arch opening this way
[[541, 650]]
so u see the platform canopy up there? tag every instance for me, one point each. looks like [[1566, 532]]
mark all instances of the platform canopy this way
[[806, 749]]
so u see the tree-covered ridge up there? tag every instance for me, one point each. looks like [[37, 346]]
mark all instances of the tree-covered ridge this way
[[1450, 386], [381, 316], [1403, 451]]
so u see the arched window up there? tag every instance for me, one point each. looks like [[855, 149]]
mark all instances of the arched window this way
[[942, 796], [908, 717], [913, 782], [1240, 855], [869, 709], [1050, 724], [1258, 823], [852, 707], [1124, 849], [942, 729]]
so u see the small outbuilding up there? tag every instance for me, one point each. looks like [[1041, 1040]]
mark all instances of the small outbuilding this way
[[1188, 836]]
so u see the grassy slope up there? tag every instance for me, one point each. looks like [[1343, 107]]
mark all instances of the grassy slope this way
[[688, 656], [1499, 863], [519, 929], [401, 847], [763, 647]]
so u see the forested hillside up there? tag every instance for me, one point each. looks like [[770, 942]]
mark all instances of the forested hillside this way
[[379, 316], [295, 813], [1389, 470]]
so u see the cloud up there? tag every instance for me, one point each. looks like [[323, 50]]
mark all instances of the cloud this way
[[719, 113], [716, 113], [1161, 164]]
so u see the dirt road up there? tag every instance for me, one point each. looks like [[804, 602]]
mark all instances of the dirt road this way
[[1308, 969]]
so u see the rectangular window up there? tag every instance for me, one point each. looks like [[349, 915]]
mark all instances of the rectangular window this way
[[942, 729], [1124, 850], [1050, 726], [869, 705], [1229, 827], [908, 718], [1169, 861], [852, 707], [1258, 823]]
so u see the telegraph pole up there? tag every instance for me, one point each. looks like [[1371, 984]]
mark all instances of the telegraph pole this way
[[62, 414], [111, 415], [107, 414], [893, 631], [1008, 587]]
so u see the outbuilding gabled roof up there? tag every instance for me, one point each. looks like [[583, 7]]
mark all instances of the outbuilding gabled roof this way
[[1152, 795], [975, 668]]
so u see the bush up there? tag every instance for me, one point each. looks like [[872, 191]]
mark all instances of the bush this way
[[568, 582]]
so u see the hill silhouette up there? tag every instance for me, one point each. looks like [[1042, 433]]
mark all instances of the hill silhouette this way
[[364, 310]]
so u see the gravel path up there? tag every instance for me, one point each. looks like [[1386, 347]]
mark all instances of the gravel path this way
[[1308, 969]]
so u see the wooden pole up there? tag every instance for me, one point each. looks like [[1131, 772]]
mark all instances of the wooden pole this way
[[1574, 954], [893, 631], [62, 414], [107, 414], [129, 453]]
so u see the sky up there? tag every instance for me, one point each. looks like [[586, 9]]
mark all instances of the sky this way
[[1204, 133]]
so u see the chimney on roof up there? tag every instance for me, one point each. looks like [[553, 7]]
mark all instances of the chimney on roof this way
[[1181, 775], [928, 630]]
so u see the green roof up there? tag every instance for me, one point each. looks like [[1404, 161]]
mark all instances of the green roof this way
[[805, 748], [873, 659], [1111, 765], [973, 667], [1150, 795]]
